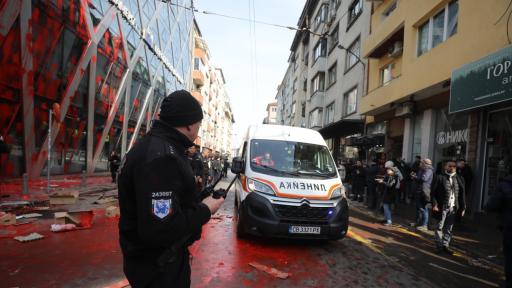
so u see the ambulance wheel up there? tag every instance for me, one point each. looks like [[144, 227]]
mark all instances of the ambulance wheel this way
[[240, 233]]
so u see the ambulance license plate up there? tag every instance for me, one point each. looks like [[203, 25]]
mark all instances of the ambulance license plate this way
[[304, 230]]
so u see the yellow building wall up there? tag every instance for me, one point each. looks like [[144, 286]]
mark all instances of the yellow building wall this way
[[476, 37]]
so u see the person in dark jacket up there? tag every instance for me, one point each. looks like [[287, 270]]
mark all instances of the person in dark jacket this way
[[464, 170], [448, 199], [114, 162], [358, 181], [206, 163], [501, 202], [371, 175], [196, 165], [161, 213], [388, 197], [225, 167], [422, 195]]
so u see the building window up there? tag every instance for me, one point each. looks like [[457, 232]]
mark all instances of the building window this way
[[320, 49], [334, 38], [318, 82], [352, 58], [329, 113], [355, 9], [334, 4], [293, 107], [438, 28], [198, 64], [386, 74], [305, 85], [315, 117], [321, 16], [332, 74], [294, 85], [350, 102], [306, 58], [303, 110]]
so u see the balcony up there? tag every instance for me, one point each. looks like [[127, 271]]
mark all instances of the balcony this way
[[317, 100], [378, 99], [198, 77], [383, 29]]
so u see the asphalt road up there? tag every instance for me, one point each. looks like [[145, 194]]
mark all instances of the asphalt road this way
[[371, 255]]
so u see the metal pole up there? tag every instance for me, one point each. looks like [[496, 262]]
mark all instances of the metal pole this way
[[48, 167], [25, 184]]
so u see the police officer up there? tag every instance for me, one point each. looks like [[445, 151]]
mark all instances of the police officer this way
[[161, 213]]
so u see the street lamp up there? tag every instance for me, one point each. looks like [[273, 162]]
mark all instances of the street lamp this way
[[353, 54]]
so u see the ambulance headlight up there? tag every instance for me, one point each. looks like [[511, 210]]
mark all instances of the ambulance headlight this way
[[255, 185], [338, 193]]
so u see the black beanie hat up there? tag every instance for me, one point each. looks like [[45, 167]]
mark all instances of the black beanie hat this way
[[180, 108]]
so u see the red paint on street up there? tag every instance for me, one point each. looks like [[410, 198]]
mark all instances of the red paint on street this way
[[221, 260], [80, 258]]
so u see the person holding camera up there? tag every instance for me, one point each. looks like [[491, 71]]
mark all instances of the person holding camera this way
[[161, 210]]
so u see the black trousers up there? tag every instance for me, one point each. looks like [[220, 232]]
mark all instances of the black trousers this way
[[145, 273], [114, 175]]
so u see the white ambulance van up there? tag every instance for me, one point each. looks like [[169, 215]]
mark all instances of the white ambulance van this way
[[288, 185]]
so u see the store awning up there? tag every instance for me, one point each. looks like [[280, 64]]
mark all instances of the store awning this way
[[342, 128]]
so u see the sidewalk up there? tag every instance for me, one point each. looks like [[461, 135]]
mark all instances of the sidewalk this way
[[12, 189], [476, 239]]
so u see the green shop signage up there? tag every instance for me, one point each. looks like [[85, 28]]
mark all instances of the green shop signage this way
[[483, 82]]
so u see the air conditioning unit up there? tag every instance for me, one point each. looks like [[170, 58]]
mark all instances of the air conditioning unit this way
[[396, 49], [404, 109]]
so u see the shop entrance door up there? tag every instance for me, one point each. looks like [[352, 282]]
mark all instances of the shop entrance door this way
[[499, 150]]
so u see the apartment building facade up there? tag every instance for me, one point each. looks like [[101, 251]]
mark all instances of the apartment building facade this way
[[421, 55], [326, 72], [209, 88]]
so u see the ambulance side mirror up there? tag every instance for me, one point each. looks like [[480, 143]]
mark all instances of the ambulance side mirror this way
[[238, 165]]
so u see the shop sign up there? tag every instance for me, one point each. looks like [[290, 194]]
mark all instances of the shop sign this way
[[452, 137], [130, 19], [483, 82]]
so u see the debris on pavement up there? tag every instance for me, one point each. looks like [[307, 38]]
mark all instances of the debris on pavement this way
[[105, 200], [270, 270], [29, 215], [112, 211], [82, 219], [13, 204], [30, 237], [64, 197], [62, 227], [26, 221], [7, 218]]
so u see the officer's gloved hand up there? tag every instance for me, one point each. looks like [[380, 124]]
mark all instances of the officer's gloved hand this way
[[219, 193], [213, 204]]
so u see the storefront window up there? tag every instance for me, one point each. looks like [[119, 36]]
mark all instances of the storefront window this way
[[451, 136], [499, 149]]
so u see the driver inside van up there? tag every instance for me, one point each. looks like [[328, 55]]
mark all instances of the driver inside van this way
[[265, 160]]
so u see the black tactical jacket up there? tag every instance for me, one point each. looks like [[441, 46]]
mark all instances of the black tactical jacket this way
[[159, 205]]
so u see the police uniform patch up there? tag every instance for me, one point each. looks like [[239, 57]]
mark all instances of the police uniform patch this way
[[162, 207]]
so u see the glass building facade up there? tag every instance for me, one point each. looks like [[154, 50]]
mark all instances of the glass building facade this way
[[101, 66]]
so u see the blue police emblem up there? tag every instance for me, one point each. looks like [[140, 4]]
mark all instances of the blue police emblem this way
[[162, 207]]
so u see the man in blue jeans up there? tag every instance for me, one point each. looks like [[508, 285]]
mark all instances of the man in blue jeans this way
[[424, 179]]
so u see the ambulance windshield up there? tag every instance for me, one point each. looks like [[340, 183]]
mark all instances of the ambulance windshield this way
[[295, 159]]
